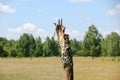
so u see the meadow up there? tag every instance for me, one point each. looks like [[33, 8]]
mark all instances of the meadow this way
[[50, 68]]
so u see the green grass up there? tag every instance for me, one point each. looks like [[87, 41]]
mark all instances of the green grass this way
[[50, 68]]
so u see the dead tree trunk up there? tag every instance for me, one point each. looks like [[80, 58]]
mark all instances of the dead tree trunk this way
[[66, 53]]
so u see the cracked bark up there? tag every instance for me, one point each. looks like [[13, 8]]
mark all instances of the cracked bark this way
[[66, 53]]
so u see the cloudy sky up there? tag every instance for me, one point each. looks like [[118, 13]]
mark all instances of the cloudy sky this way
[[37, 17]]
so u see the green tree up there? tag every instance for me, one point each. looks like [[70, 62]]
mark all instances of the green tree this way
[[91, 43], [31, 45], [3, 52], [16, 50], [119, 46], [3, 41], [75, 46], [38, 48], [24, 45], [104, 46], [9, 47], [46, 47], [13, 52], [53, 47], [113, 44]]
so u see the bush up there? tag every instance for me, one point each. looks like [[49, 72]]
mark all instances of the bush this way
[[113, 59], [4, 54], [13, 53], [118, 59]]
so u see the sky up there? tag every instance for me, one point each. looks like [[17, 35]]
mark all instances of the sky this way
[[37, 17]]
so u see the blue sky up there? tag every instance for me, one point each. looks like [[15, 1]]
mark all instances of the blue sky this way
[[37, 17]]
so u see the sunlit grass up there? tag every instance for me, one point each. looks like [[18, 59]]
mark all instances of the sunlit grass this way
[[50, 68]]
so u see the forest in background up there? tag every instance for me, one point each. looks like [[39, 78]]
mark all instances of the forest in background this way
[[93, 45]]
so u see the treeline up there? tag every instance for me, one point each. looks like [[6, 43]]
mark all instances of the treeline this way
[[27, 46], [93, 45]]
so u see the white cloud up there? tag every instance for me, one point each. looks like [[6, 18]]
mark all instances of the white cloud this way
[[75, 34], [118, 6], [117, 31], [77, 1], [29, 26], [14, 33], [106, 32], [6, 9], [25, 28], [103, 32], [17, 30], [42, 32], [115, 11], [112, 12]]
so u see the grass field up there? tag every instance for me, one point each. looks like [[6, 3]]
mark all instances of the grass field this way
[[50, 68]]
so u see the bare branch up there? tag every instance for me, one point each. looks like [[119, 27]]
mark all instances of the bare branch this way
[[55, 24], [61, 22]]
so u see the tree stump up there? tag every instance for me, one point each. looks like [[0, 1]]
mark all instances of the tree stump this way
[[66, 53]]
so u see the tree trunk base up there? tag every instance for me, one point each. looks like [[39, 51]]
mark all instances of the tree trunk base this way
[[68, 73]]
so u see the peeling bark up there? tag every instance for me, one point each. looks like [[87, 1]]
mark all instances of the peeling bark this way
[[66, 53]]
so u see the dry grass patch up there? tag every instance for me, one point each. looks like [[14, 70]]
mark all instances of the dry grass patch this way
[[50, 68], [96, 69]]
